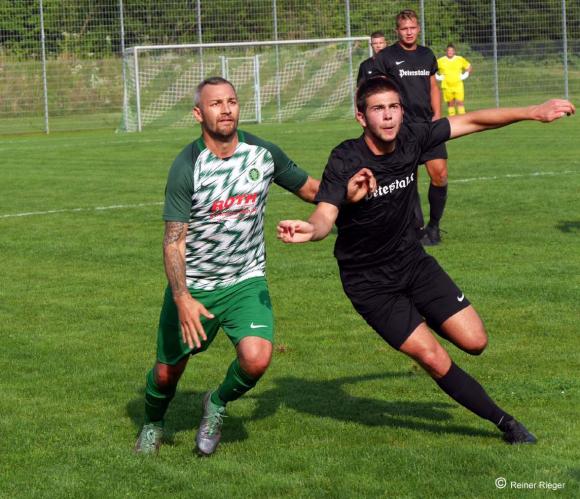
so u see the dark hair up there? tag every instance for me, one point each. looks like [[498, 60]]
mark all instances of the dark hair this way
[[450, 46], [405, 15], [377, 34], [212, 80], [372, 86]]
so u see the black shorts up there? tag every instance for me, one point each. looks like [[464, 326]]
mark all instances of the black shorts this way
[[437, 152], [395, 300]]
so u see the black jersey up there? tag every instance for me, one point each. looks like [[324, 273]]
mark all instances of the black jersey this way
[[380, 228], [366, 70], [412, 70]]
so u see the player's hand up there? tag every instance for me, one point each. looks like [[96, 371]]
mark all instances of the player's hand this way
[[361, 184], [190, 312], [465, 75], [295, 231], [552, 110], [439, 77]]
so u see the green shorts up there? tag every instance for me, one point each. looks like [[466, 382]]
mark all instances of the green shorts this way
[[241, 310]]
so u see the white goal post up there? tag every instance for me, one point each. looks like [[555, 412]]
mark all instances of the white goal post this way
[[276, 81]]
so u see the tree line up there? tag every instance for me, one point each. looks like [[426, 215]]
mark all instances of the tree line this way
[[91, 28]]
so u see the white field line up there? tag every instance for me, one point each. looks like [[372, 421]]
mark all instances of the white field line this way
[[511, 175], [73, 210], [159, 203]]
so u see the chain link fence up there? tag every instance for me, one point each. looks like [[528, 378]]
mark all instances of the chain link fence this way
[[61, 61]]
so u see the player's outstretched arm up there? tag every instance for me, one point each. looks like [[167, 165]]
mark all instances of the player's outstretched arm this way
[[318, 226], [486, 119]]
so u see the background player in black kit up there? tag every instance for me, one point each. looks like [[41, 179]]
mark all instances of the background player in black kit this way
[[414, 67], [367, 67], [392, 282]]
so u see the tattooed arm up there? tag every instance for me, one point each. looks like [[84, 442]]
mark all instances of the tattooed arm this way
[[174, 256], [188, 309]]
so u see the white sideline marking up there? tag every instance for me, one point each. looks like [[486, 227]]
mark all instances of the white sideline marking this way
[[140, 205], [72, 210], [510, 175]]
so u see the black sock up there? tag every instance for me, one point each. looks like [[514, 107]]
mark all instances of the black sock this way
[[437, 200], [418, 212], [462, 388]]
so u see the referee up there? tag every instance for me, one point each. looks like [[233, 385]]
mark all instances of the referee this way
[[400, 290], [414, 68]]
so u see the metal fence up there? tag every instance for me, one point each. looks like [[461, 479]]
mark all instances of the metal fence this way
[[61, 60]]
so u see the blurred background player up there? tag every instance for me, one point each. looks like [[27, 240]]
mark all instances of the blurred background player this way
[[413, 67], [453, 69], [367, 67]]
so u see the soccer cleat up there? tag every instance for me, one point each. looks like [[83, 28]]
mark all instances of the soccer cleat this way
[[515, 432], [210, 429], [149, 439], [432, 236]]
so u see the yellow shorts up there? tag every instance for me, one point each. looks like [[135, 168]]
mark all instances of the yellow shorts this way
[[454, 91]]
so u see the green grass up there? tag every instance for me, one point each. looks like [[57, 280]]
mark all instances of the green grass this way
[[339, 414]]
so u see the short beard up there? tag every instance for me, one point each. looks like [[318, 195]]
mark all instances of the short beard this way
[[222, 137]]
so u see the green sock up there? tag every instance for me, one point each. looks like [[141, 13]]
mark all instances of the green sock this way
[[156, 402], [235, 384]]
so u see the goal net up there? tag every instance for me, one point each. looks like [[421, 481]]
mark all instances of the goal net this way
[[276, 81]]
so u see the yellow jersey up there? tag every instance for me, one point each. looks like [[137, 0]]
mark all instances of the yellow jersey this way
[[451, 69]]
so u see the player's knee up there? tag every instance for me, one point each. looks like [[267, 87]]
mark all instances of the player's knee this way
[[435, 362], [255, 365], [477, 345], [439, 178], [437, 170], [166, 378]]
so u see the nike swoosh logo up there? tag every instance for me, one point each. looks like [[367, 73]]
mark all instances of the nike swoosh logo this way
[[256, 326], [461, 298], [399, 62]]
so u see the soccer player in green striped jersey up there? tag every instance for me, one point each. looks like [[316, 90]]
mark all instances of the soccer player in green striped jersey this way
[[215, 259]]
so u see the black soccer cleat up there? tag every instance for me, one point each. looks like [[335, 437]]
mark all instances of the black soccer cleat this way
[[432, 236], [515, 432]]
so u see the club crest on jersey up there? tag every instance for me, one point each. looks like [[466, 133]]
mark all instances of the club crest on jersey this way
[[254, 174]]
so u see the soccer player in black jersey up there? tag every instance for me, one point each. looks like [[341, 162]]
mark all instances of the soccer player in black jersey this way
[[414, 67], [398, 288], [367, 67]]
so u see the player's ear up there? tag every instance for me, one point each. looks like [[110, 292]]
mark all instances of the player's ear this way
[[197, 114], [360, 117]]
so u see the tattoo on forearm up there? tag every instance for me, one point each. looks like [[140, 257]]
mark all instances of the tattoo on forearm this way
[[174, 257], [173, 232]]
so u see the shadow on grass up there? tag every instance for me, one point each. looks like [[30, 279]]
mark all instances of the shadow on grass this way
[[568, 226], [329, 399], [324, 399]]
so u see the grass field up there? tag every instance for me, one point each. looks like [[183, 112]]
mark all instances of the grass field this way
[[339, 414]]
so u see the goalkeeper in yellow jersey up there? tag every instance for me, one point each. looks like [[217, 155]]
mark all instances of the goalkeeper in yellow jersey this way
[[453, 69]]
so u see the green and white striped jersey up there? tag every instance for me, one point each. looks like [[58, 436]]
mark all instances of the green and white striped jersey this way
[[223, 202]]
